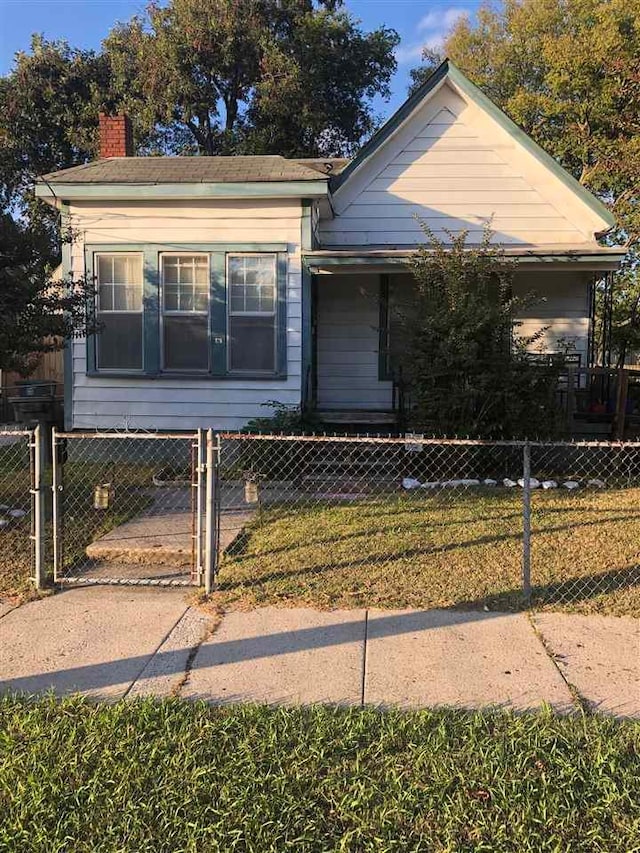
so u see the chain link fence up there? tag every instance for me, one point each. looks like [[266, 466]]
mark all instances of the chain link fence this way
[[327, 521], [412, 522], [585, 526], [128, 508], [17, 511]]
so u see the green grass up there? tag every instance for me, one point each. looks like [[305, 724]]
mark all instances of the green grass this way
[[173, 776], [453, 550]]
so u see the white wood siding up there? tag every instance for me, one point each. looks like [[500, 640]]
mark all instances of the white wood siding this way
[[562, 309], [348, 330], [454, 167], [347, 343], [178, 404]]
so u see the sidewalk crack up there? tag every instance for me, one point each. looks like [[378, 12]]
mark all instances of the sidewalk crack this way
[[578, 699], [149, 660], [188, 666]]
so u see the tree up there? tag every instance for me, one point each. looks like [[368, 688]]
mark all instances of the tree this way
[[48, 115], [48, 121], [430, 61], [467, 370], [37, 314], [289, 77], [568, 72]]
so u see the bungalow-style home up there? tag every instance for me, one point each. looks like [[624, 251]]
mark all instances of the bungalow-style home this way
[[227, 282]]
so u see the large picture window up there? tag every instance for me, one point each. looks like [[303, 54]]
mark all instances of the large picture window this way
[[185, 312], [252, 312], [120, 283], [189, 309]]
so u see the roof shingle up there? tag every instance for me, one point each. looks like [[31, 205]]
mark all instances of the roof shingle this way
[[190, 170]]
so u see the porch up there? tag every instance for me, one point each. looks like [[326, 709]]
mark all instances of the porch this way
[[349, 379]]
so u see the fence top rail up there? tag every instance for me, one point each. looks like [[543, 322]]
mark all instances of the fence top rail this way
[[411, 439], [147, 436], [15, 432]]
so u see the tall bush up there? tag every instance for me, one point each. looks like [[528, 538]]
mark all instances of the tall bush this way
[[467, 369]]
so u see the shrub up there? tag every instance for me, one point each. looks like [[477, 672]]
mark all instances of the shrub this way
[[467, 370]]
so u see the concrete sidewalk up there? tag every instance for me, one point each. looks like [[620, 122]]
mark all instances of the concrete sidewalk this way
[[116, 642]]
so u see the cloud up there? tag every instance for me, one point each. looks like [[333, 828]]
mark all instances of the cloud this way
[[434, 26]]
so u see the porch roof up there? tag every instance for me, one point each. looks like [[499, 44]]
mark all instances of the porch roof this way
[[359, 259]]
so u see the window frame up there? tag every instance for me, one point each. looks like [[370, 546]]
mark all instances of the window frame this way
[[162, 312], [218, 299], [252, 314], [104, 253]]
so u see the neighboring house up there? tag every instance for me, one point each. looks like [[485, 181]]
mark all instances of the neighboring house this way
[[227, 282]]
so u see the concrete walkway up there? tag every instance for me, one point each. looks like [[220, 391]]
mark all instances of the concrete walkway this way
[[116, 642]]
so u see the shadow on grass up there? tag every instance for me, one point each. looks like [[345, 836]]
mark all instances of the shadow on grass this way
[[387, 558], [239, 548], [561, 592]]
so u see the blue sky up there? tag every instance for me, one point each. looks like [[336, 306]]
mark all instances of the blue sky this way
[[84, 23]]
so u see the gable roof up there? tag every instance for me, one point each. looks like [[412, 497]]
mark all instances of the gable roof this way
[[190, 170], [448, 71]]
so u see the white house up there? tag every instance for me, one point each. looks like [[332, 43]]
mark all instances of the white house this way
[[227, 282]]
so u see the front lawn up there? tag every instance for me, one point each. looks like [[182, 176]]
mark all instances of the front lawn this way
[[173, 776], [455, 549]]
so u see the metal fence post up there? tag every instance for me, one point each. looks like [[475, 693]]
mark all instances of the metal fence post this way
[[200, 500], [56, 488], [211, 522], [38, 436], [526, 522]]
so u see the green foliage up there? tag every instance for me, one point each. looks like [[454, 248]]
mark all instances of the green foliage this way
[[197, 76], [48, 114], [467, 372], [625, 332], [182, 776], [285, 420], [48, 120], [234, 76], [625, 317], [430, 61], [36, 313], [279, 460], [568, 72]]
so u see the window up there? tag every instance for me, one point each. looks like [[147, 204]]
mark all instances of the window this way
[[185, 312], [189, 309], [120, 282], [252, 289]]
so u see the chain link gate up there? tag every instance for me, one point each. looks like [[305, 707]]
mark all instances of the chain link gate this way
[[22, 524], [129, 508]]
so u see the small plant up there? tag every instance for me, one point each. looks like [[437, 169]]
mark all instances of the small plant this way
[[285, 420]]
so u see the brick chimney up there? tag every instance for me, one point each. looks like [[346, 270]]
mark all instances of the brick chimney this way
[[116, 136]]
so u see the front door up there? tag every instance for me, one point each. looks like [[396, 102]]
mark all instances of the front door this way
[[347, 320]]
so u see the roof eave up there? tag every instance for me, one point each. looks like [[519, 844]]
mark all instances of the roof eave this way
[[176, 191], [448, 71], [588, 258], [392, 125]]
